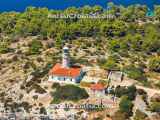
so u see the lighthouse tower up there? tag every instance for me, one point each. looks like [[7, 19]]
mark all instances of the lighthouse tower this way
[[65, 58], [65, 72]]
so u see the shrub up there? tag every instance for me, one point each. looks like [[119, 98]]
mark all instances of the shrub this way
[[155, 107], [39, 89], [109, 64], [126, 105], [4, 47], [103, 82], [35, 97], [85, 84], [33, 86], [158, 84], [26, 106], [154, 64], [135, 73], [69, 92], [55, 85], [43, 111], [35, 47], [128, 91], [119, 116], [141, 92], [139, 115]]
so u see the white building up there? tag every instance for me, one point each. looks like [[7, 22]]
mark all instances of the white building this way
[[98, 89], [65, 72]]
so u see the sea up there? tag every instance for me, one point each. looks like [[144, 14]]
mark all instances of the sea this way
[[21, 5]]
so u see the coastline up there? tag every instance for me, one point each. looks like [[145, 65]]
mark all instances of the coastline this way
[[17, 6]]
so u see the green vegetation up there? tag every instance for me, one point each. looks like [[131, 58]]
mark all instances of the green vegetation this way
[[120, 116], [35, 47], [69, 92], [155, 103], [155, 107], [43, 111], [4, 47], [103, 82], [34, 86], [154, 64], [109, 64], [122, 35], [127, 91], [85, 84], [135, 73], [126, 105], [122, 43], [140, 115], [56, 86]]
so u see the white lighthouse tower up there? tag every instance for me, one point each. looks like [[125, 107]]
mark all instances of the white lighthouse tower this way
[[65, 58], [65, 72]]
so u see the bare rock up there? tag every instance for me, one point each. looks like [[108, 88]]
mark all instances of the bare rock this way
[[30, 78]]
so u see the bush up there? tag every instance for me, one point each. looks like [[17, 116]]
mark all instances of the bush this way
[[135, 73], [35, 97], [119, 116], [128, 91], [139, 115], [35, 47], [39, 89], [43, 111], [4, 47], [26, 106], [55, 85], [33, 86], [155, 107], [103, 82], [158, 84], [126, 105], [69, 92], [141, 92], [109, 64], [85, 84], [154, 64]]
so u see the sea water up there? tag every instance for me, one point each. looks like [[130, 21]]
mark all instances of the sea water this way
[[21, 5]]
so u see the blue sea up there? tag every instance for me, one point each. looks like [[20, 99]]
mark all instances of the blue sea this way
[[20, 5]]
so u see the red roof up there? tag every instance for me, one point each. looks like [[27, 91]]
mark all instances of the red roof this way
[[97, 87], [69, 72]]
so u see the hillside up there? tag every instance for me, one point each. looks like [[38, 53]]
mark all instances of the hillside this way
[[31, 43]]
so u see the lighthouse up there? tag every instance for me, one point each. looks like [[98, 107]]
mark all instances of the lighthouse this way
[[65, 72], [65, 58]]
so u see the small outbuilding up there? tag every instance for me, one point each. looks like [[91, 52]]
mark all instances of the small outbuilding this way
[[98, 89]]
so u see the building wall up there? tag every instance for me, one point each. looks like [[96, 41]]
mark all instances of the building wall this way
[[79, 78], [53, 78], [98, 93], [61, 79]]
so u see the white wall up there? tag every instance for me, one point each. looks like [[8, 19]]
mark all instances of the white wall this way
[[61, 79]]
